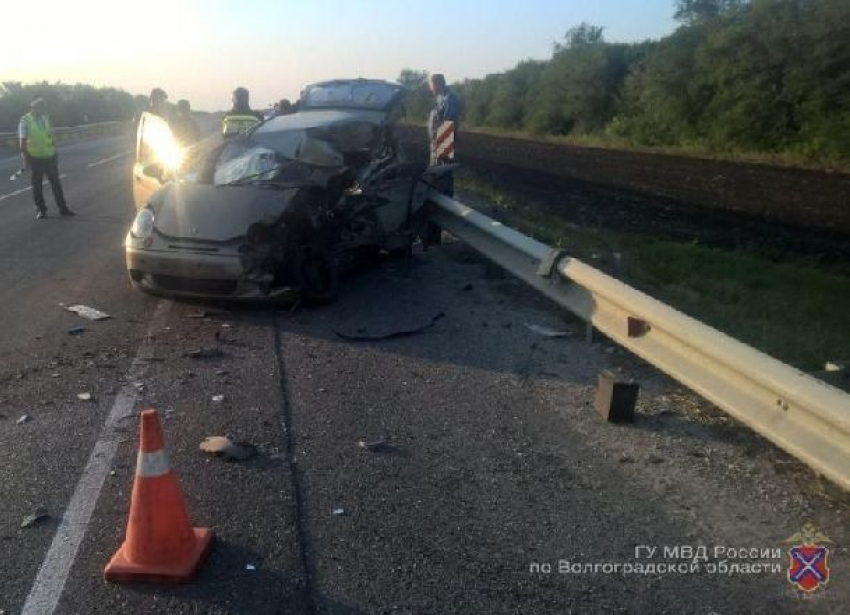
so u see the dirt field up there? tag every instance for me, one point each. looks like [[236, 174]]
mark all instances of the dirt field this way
[[719, 203]]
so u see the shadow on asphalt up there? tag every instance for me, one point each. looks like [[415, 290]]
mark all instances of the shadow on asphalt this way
[[218, 582], [399, 293]]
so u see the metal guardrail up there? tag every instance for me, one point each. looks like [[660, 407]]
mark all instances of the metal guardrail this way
[[9, 140], [804, 416]]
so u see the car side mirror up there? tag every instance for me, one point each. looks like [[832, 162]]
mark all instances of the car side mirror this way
[[154, 170]]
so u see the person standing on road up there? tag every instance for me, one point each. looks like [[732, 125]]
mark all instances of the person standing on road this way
[[185, 129], [38, 153], [283, 107], [241, 118], [157, 103], [443, 126], [444, 121]]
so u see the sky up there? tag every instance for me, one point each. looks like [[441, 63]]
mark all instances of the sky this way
[[202, 49]]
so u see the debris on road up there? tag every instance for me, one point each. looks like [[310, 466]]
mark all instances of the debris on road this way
[[197, 315], [84, 396], [547, 332], [26, 418], [389, 336], [218, 398], [39, 516], [616, 398], [205, 353], [834, 366], [376, 446], [76, 330], [250, 567], [223, 446], [339, 512], [89, 313], [222, 372]]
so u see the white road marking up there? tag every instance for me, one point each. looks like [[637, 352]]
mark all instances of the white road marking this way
[[109, 159], [53, 573], [22, 190]]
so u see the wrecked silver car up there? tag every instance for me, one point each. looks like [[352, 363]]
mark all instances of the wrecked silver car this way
[[273, 213]]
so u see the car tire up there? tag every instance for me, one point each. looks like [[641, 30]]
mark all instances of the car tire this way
[[320, 275]]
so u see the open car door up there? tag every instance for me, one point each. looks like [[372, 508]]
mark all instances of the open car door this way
[[156, 152]]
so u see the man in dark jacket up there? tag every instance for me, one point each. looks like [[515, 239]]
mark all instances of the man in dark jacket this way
[[184, 127]]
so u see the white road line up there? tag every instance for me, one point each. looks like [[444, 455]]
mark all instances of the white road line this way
[[109, 159], [50, 581], [15, 193], [22, 190]]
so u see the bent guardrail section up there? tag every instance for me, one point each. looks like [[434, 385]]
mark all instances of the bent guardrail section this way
[[804, 416]]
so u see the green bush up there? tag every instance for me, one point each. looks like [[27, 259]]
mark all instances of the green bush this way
[[758, 76], [68, 105]]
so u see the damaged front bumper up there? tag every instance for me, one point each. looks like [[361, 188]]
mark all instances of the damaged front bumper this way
[[197, 274]]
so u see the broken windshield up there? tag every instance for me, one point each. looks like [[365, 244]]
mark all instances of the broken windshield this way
[[290, 160]]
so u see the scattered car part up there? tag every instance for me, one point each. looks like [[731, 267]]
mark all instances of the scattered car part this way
[[390, 336], [87, 312], [39, 516], [546, 331], [227, 448]]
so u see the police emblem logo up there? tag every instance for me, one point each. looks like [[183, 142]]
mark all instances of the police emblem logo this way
[[808, 566]]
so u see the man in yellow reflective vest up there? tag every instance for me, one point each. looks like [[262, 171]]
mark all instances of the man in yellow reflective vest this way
[[240, 119], [38, 152]]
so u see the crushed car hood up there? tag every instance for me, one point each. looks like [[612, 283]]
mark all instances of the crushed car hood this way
[[201, 212]]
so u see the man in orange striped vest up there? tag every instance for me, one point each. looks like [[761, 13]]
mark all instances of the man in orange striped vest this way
[[443, 125]]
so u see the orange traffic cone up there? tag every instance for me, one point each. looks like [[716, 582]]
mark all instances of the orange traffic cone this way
[[161, 544]]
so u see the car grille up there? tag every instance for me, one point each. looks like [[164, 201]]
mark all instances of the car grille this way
[[222, 288]]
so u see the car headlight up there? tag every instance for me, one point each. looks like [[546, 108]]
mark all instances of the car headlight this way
[[143, 224]]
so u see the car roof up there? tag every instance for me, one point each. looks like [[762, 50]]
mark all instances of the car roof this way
[[318, 118], [370, 94]]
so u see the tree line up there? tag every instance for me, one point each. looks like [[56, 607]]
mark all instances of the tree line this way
[[68, 105], [736, 75]]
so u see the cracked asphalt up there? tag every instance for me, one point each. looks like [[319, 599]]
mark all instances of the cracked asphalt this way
[[461, 470]]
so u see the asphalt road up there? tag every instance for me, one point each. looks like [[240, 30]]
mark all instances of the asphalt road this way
[[494, 470]]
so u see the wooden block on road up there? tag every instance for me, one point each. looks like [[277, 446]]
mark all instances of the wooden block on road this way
[[616, 399]]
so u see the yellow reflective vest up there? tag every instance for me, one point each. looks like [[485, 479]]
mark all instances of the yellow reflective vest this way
[[236, 123], [39, 137]]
